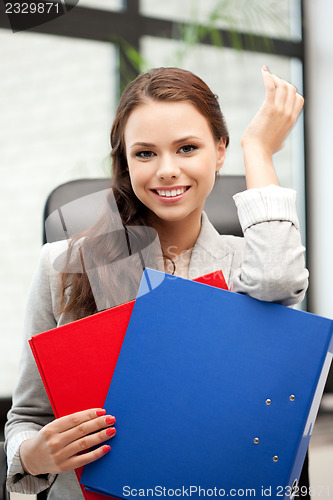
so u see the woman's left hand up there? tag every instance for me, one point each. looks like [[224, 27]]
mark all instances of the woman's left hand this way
[[276, 116]]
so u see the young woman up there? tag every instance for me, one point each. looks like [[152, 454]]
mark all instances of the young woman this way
[[168, 140]]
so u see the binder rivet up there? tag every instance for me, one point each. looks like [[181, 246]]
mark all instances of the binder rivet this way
[[268, 402], [275, 458], [256, 440], [292, 397]]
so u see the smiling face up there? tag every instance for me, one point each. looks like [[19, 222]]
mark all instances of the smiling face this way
[[172, 158]]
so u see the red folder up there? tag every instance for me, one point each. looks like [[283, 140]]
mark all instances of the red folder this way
[[76, 361]]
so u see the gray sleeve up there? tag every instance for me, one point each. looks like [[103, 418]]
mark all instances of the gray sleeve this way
[[31, 409], [273, 268]]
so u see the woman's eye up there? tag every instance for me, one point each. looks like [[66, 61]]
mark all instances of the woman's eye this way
[[145, 154], [189, 148]]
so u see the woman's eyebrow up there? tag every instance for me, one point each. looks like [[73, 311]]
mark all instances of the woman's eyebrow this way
[[187, 138], [144, 144], [177, 141]]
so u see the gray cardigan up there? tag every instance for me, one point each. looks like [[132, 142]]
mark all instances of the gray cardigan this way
[[267, 263]]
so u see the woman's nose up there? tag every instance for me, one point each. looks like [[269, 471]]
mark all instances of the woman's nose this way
[[168, 168]]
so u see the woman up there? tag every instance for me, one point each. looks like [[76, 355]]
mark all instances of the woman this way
[[168, 140]]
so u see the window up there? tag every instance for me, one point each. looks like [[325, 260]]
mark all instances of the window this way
[[57, 102], [275, 19]]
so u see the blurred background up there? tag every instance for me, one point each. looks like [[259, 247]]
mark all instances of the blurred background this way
[[59, 87]]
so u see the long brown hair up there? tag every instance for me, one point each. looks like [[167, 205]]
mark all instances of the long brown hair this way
[[159, 84]]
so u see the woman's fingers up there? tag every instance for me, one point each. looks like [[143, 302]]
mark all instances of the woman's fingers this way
[[284, 96], [269, 85], [91, 432], [298, 105], [275, 118], [288, 100], [75, 419], [281, 93], [80, 460], [89, 441], [83, 430], [291, 99]]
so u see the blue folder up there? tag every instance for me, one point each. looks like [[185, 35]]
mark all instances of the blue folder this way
[[215, 394]]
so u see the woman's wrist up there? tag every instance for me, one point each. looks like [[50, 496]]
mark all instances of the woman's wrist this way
[[24, 459], [259, 168]]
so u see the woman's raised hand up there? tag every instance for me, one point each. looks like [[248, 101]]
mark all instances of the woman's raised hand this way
[[276, 116], [267, 131], [65, 443]]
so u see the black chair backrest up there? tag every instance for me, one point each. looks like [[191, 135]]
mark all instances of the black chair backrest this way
[[219, 206], [3, 471], [5, 404]]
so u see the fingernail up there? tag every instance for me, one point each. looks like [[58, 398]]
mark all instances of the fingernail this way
[[99, 413], [111, 431], [110, 420], [264, 68], [106, 448]]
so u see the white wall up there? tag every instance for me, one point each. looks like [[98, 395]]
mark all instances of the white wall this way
[[319, 106]]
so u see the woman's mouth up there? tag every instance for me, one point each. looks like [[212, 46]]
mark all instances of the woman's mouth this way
[[171, 193]]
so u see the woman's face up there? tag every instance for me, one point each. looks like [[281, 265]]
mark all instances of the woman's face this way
[[172, 158]]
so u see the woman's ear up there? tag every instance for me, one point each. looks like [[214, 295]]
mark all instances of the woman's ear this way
[[221, 151]]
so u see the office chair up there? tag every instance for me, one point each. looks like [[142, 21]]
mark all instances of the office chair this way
[[219, 207]]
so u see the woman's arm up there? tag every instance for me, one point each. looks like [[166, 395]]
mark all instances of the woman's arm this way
[[267, 131], [273, 267]]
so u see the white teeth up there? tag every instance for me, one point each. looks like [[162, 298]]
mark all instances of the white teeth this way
[[173, 192]]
